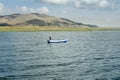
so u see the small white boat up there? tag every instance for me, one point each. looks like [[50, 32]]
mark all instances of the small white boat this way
[[58, 41]]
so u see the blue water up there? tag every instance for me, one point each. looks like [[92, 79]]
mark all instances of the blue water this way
[[86, 56]]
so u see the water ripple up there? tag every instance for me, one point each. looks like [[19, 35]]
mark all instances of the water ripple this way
[[87, 56]]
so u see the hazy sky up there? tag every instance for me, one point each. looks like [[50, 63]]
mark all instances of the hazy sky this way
[[105, 13]]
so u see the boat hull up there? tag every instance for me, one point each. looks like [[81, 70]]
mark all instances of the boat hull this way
[[58, 41]]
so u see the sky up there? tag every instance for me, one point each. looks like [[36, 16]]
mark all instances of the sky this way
[[104, 13]]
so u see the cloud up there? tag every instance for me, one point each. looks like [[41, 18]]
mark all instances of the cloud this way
[[92, 3], [81, 3], [43, 10], [55, 1], [24, 9], [104, 4], [1, 7]]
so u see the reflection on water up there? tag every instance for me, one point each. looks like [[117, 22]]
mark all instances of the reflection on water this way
[[86, 56]]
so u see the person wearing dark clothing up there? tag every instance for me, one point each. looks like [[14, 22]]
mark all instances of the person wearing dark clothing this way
[[50, 38]]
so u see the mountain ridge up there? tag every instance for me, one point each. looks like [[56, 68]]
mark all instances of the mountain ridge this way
[[36, 19]]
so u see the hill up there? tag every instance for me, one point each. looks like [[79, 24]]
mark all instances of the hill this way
[[35, 19]]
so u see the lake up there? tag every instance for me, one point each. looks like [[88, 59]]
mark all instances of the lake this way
[[88, 55]]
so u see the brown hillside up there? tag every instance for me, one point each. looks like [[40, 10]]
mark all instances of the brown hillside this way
[[36, 19]]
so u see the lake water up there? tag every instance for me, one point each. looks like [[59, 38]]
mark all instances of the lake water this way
[[86, 56]]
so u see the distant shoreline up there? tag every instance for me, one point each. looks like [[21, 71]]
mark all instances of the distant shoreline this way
[[37, 29]]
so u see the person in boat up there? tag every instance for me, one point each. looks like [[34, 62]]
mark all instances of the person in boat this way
[[50, 38]]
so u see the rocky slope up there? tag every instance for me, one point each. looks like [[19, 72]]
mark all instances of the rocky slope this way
[[35, 19]]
